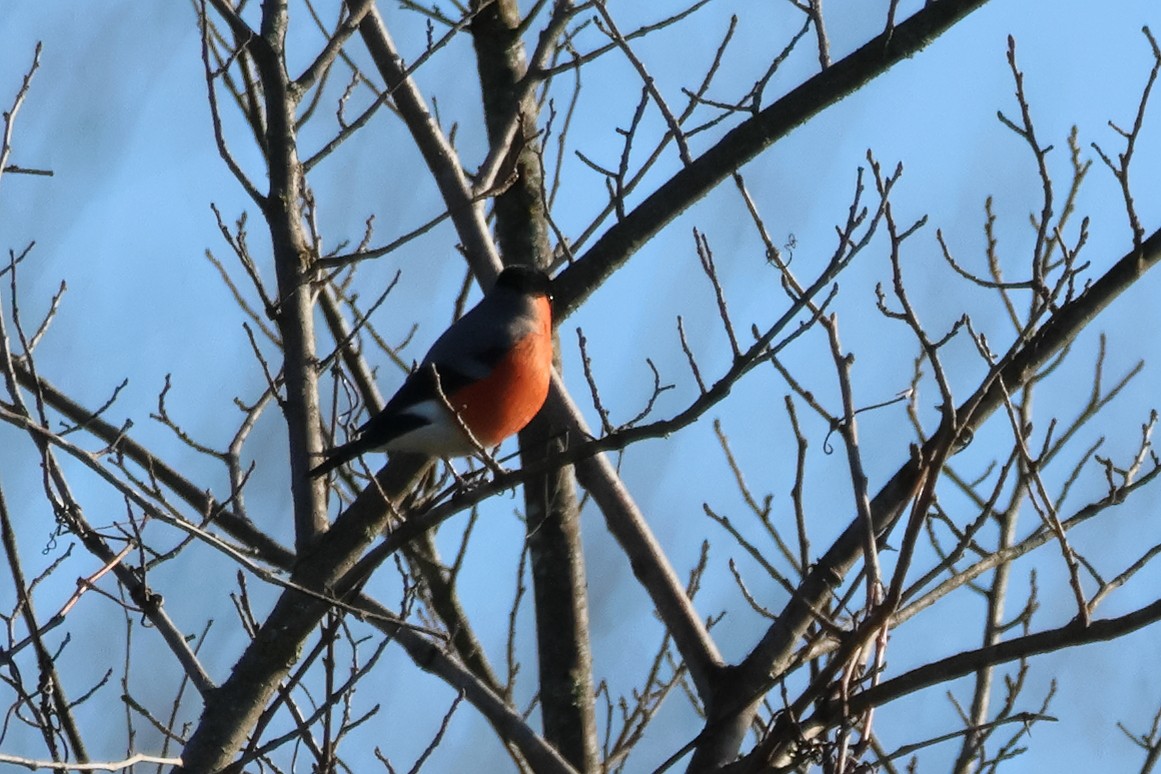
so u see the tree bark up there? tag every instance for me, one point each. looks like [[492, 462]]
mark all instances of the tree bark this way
[[550, 501]]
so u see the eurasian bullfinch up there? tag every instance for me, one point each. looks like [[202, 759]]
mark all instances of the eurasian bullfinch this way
[[492, 367]]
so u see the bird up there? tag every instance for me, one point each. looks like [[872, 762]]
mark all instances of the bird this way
[[492, 367]]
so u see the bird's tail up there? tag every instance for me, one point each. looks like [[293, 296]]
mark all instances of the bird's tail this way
[[337, 457]]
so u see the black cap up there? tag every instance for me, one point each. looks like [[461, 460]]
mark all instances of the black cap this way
[[525, 279]]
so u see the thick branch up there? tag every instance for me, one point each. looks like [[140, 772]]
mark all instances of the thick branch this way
[[776, 651], [550, 502], [646, 557], [281, 208], [231, 712], [467, 215], [746, 141], [1072, 634]]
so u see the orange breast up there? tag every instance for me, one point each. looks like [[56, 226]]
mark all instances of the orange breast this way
[[503, 403]]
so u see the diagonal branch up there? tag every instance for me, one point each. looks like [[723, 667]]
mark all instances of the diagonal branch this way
[[1075, 632], [746, 141], [466, 213], [777, 649]]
